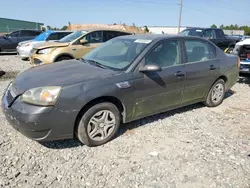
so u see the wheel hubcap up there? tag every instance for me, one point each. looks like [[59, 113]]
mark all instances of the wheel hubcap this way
[[101, 125], [217, 92]]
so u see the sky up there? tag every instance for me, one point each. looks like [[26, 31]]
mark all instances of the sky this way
[[196, 13]]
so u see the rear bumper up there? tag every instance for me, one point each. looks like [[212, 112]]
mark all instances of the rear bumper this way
[[244, 67], [39, 123]]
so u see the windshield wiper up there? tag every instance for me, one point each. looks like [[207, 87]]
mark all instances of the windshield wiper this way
[[92, 62]]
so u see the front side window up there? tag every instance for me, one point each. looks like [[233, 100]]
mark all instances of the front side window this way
[[73, 36], [117, 53], [191, 32], [209, 34], [14, 34], [53, 36], [94, 37], [166, 54], [199, 51]]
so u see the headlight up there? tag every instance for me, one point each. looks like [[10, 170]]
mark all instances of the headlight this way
[[27, 44], [45, 51], [43, 96]]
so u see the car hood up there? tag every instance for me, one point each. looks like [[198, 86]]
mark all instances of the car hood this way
[[244, 42], [24, 42], [59, 74], [51, 44]]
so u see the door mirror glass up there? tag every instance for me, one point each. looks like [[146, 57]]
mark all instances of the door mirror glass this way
[[150, 68], [83, 41]]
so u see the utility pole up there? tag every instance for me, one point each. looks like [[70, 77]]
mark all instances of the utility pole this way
[[179, 26]]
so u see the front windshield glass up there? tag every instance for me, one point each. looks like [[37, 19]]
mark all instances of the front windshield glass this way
[[72, 36], [191, 32], [118, 53], [42, 36]]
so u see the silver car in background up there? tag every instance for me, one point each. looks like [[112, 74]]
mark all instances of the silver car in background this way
[[24, 48]]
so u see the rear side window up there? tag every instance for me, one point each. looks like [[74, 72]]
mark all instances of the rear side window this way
[[63, 34], [219, 33], [27, 33], [94, 37], [199, 51]]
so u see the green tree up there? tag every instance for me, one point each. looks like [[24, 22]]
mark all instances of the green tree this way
[[213, 26], [222, 26], [64, 27], [146, 29]]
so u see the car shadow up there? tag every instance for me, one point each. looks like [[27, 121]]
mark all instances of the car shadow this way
[[129, 127], [8, 53], [244, 79], [62, 144]]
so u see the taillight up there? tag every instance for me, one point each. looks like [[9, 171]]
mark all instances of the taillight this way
[[238, 63], [248, 56]]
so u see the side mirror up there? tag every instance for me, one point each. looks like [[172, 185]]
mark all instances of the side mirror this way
[[150, 68], [83, 41]]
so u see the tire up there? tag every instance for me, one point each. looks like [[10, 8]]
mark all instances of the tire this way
[[91, 126], [63, 58], [213, 99]]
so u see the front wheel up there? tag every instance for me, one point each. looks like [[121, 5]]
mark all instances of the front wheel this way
[[99, 124], [63, 58], [216, 94]]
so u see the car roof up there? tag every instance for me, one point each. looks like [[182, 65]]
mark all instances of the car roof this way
[[58, 31], [203, 28], [157, 36], [104, 29]]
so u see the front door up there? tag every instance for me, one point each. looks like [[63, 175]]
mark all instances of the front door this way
[[11, 42], [202, 67], [158, 91], [94, 39]]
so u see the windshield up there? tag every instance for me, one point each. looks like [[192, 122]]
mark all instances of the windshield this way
[[192, 32], [117, 53], [42, 36], [72, 36]]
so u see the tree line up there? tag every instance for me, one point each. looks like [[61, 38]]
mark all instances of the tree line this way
[[234, 27]]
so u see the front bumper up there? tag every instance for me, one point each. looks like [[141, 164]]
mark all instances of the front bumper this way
[[23, 52], [39, 123], [37, 59]]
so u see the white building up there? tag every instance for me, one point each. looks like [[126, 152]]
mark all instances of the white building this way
[[165, 29]]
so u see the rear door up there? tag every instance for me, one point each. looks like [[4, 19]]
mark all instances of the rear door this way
[[202, 69], [94, 39]]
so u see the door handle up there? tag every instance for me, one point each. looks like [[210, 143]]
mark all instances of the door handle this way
[[212, 67], [180, 74]]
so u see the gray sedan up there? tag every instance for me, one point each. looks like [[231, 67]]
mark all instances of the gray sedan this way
[[125, 79]]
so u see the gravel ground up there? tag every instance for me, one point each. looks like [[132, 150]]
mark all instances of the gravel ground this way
[[191, 147]]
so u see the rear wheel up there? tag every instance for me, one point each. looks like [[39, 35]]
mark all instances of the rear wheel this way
[[216, 94], [63, 58], [99, 124]]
